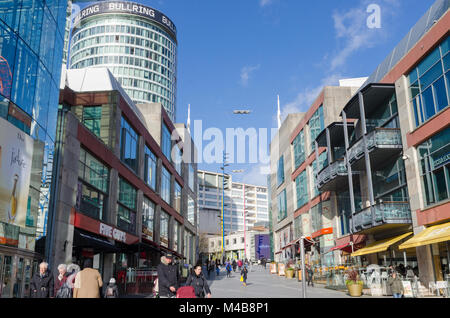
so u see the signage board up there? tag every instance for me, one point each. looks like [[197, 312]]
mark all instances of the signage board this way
[[126, 7], [16, 155]]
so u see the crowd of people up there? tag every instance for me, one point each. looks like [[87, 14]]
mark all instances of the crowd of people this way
[[71, 282]]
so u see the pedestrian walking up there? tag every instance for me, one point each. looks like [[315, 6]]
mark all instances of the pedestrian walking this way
[[168, 277], [310, 275], [244, 273], [42, 283], [229, 269], [111, 290], [217, 269], [88, 282], [234, 265], [396, 285], [240, 265], [198, 281]]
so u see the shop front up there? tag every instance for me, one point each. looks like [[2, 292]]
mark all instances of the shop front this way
[[112, 250], [437, 238]]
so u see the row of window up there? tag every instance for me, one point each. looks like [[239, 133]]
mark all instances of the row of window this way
[[146, 86], [125, 60], [429, 84], [118, 25], [120, 71], [122, 50], [88, 42], [139, 96]]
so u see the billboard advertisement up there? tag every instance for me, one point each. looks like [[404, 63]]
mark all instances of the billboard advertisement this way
[[16, 153], [262, 246]]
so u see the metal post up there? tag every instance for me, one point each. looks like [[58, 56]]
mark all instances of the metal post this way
[[245, 229], [366, 156], [302, 253], [349, 170], [404, 257], [329, 146]]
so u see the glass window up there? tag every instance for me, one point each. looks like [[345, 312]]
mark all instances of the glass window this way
[[126, 216], [129, 145], [164, 229], [148, 216], [92, 117], [316, 125], [191, 177], [323, 162], [93, 172], [177, 197], [301, 186], [166, 142], [8, 44], [435, 166], [127, 194], [282, 206], [299, 149], [165, 185], [178, 159], [191, 210], [280, 171], [150, 168]]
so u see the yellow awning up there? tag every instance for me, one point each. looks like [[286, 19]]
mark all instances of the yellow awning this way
[[380, 246], [431, 235]]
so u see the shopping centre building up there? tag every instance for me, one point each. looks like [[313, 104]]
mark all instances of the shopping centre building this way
[[130, 194], [385, 167], [31, 49], [137, 43]]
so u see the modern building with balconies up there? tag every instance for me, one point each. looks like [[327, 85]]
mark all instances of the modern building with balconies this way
[[394, 145]]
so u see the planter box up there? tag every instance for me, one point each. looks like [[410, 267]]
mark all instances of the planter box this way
[[290, 274], [355, 290]]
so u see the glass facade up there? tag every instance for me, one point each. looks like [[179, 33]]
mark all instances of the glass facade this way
[[435, 167], [31, 41], [299, 149], [126, 214], [139, 53], [92, 117], [280, 171], [150, 168], [178, 159], [301, 189], [129, 145], [191, 210], [191, 177], [316, 125], [430, 82]]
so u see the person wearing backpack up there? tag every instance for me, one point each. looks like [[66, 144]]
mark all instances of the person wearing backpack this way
[[228, 268], [111, 290], [198, 281]]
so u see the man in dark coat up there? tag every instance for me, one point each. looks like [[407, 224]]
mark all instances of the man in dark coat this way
[[199, 283], [42, 284], [168, 277]]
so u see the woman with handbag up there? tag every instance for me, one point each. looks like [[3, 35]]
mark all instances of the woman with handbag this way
[[244, 273]]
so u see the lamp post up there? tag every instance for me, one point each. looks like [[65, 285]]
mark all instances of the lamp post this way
[[224, 164], [302, 253]]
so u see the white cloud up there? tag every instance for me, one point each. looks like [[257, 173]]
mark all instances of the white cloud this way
[[263, 3], [257, 175], [246, 72]]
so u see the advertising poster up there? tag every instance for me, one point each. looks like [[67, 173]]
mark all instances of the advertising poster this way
[[262, 246], [407, 288], [16, 153]]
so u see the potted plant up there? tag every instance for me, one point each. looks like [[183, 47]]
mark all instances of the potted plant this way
[[354, 284], [290, 272]]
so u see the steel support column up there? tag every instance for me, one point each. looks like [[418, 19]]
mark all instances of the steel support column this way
[[349, 170]]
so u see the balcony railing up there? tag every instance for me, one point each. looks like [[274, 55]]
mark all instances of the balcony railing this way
[[385, 213], [331, 171], [379, 138]]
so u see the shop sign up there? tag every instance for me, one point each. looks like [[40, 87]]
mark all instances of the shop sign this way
[[147, 233], [113, 233], [126, 7], [407, 288], [9, 234]]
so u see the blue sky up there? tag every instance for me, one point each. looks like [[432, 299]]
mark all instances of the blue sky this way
[[238, 54]]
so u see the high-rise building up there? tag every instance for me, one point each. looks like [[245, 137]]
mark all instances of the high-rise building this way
[[31, 48], [137, 43], [239, 197]]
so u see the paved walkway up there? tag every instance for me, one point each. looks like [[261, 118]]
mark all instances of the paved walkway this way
[[262, 284]]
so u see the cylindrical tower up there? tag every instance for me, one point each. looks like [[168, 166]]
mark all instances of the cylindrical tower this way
[[137, 43]]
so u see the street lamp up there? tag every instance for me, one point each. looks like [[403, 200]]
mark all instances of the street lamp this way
[[224, 164], [242, 112]]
